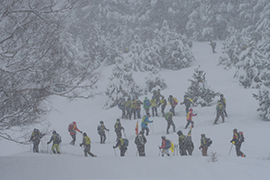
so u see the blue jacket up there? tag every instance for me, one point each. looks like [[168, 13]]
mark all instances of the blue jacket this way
[[145, 122]]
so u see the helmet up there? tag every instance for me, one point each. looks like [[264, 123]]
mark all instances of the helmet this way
[[190, 109], [74, 122], [84, 134], [163, 137], [203, 135], [101, 122], [234, 130], [179, 133], [54, 132]]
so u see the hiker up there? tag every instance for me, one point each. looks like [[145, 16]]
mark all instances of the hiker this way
[[133, 109], [101, 131], [237, 140], [163, 103], [154, 106], [146, 105], [187, 101], [128, 108], [220, 111], [122, 144], [87, 145], [173, 102], [35, 138], [117, 128], [205, 143], [189, 118], [138, 108], [223, 100], [213, 46], [157, 96], [144, 124], [121, 106], [182, 143], [56, 139], [169, 118], [72, 128], [165, 146], [140, 142]]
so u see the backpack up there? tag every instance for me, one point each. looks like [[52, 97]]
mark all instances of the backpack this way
[[58, 138], [208, 141], [241, 136], [70, 127], [175, 101], [147, 103], [167, 116], [125, 143], [167, 144]]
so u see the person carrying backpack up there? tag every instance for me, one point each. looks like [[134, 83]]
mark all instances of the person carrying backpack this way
[[35, 138], [128, 105], [189, 118], [223, 101], [205, 143], [169, 118], [182, 143], [154, 106], [56, 139], [187, 101], [220, 111], [237, 140], [146, 105], [72, 128], [121, 106], [213, 46], [173, 102], [101, 131], [165, 146], [144, 124], [163, 103], [138, 108], [140, 142], [122, 144], [117, 128], [87, 145]]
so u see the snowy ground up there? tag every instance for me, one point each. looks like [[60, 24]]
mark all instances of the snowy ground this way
[[18, 162]]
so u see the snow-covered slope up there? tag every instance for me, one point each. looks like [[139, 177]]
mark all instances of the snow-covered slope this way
[[18, 162]]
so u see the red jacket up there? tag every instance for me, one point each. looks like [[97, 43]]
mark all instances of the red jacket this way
[[74, 129], [163, 143], [189, 116]]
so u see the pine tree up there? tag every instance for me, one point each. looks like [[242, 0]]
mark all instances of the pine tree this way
[[199, 91]]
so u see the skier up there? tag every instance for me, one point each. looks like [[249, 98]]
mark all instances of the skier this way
[[72, 128], [187, 101], [154, 106], [170, 121], [35, 138], [122, 144], [237, 140], [182, 143], [163, 103], [56, 139], [173, 102], [165, 146], [117, 128], [213, 46], [138, 108], [87, 145], [121, 106], [223, 100], [140, 142], [101, 131], [146, 105], [220, 111], [204, 144], [189, 118], [144, 124]]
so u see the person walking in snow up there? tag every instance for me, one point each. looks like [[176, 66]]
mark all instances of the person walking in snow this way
[[182, 143], [173, 102], [140, 142], [128, 108], [117, 128], [237, 140], [72, 128], [170, 121], [220, 111], [101, 131], [189, 118], [35, 138], [121, 106], [165, 146], [163, 103], [223, 101], [144, 124], [122, 146], [187, 101], [146, 105], [213, 46], [138, 104], [87, 145], [204, 144], [154, 106], [56, 139]]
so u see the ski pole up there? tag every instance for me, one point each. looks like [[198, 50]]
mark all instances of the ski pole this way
[[108, 136], [47, 149], [159, 151], [230, 150], [124, 133], [115, 153]]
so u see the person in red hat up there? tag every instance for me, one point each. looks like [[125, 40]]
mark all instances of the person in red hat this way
[[189, 118], [72, 128]]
